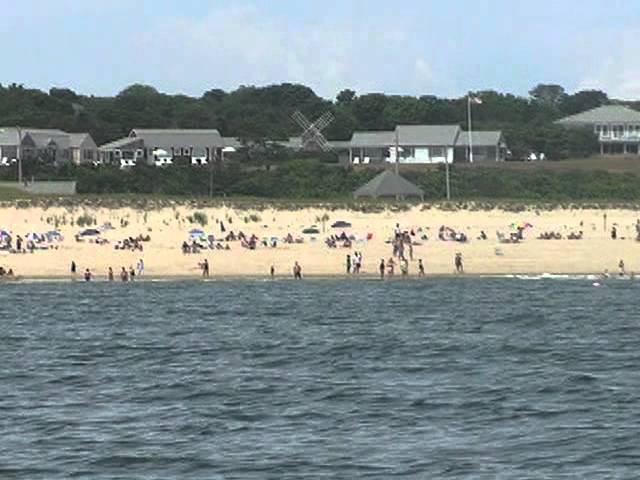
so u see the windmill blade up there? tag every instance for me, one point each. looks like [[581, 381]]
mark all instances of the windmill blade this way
[[301, 120], [323, 143], [324, 121]]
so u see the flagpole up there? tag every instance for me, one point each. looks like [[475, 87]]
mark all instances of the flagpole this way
[[469, 128], [397, 150]]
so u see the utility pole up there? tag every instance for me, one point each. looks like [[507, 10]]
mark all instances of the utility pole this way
[[19, 156], [446, 179], [469, 128], [212, 158]]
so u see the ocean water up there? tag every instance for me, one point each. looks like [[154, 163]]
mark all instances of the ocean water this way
[[459, 378]]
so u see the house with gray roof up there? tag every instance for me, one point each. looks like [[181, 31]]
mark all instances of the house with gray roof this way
[[164, 147], [616, 126], [46, 145], [425, 144]]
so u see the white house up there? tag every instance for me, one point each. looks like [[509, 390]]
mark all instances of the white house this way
[[617, 128]]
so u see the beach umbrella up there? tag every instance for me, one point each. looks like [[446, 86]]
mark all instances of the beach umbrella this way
[[196, 231], [89, 232], [311, 231]]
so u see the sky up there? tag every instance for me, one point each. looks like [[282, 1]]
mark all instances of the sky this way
[[412, 47]]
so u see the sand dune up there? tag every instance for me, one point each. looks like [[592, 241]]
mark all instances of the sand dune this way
[[169, 227]]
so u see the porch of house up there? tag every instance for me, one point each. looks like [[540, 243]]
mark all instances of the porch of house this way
[[619, 148]]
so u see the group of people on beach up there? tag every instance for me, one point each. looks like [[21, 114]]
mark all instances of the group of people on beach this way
[[126, 275], [6, 272]]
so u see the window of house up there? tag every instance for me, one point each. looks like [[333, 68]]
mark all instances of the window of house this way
[[436, 151], [88, 154], [605, 130]]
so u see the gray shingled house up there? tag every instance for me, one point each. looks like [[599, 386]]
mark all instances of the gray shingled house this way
[[424, 144], [164, 146], [617, 128], [46, 145]]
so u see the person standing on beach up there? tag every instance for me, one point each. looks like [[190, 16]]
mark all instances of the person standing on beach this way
[[140, 267], [272, 271], [132, 273], [124, 276], [297, 271], [458, 263], [205, 268], [420, 268], [110, 274], [73, 268], [87, 275], [382, 269], [621, 267], [348, 264]]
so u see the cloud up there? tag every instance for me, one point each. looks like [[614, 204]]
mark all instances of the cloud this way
[[243, 45]]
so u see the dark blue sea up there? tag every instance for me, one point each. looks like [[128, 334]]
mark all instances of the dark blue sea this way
[[459, 378]]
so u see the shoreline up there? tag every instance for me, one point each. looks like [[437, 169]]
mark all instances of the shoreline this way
[[316, 277]]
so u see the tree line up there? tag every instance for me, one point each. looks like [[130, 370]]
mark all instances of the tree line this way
[[255, 114]]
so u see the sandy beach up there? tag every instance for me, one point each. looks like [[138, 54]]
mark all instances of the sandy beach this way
[[168, 228]]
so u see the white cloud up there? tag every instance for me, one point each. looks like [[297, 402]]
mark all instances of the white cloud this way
[[242, 45]]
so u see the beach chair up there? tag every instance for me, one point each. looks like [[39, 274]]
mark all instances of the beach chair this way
[[356, 160], [366, 161]]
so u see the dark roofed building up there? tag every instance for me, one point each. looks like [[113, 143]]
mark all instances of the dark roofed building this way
[[389, 185]]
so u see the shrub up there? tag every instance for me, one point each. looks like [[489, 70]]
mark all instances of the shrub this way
[[198, 217], [85, 220]]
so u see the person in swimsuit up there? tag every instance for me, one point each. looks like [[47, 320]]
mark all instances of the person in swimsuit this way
[[87, 275], [205, 268], [272, 271], [420, 268], [382, 269], [297, 271], [124, 276], [458, 263], [348, 264], [110, 274]]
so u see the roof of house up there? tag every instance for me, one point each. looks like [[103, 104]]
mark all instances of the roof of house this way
[[77, 139], [480, 139], [388, 184], [372, 139], [122, 143], [9, 135], [441, 135], [232, 142], [178, 138], [603, 114], [44, 138]]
